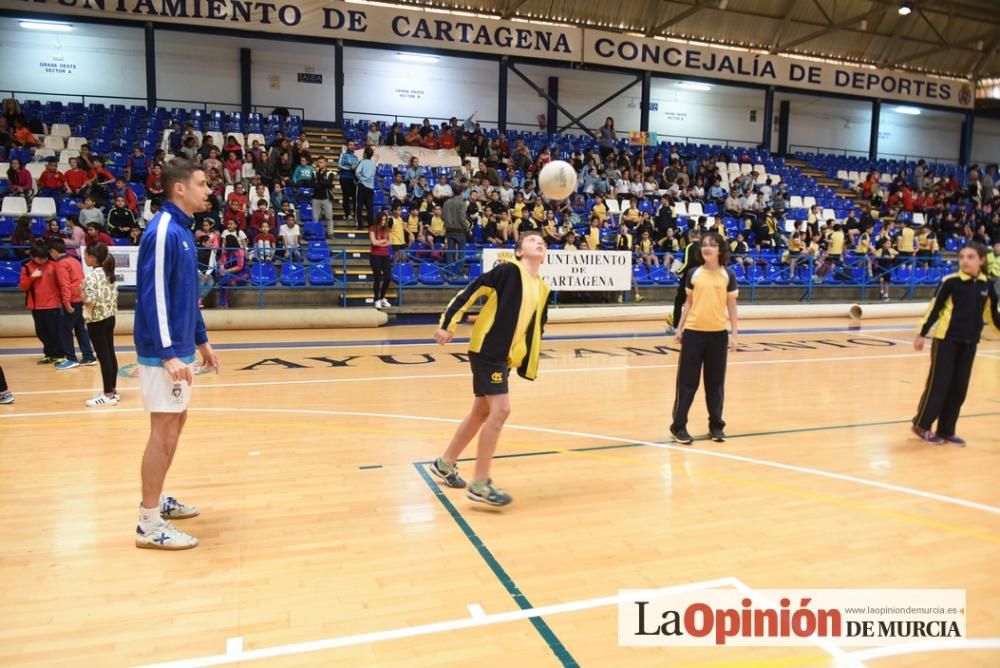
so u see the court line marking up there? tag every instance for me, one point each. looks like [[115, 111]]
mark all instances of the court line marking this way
[[504, 578], [562, 432], [465, 374], [307, 345], [476, 610], [825, 644], [426, 629]]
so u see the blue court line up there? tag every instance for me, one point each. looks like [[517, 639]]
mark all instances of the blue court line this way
[[410, 342], [543, 629]]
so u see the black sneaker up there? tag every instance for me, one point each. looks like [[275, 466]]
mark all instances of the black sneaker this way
[[681, 436], [450, 476], [716, 434]]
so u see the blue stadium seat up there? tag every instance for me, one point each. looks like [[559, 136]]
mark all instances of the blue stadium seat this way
[[293, 274], [317, 251], [430, 274], [313, 231], [10, 274], [263, 274], [403, 274], [321, 274]]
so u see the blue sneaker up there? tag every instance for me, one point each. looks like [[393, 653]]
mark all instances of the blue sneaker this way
[[88, 362], [67, 364], [447, 474], [488, 493]]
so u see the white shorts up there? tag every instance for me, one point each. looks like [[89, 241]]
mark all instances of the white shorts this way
[[161, 393]]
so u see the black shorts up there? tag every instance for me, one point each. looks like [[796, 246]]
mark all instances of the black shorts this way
[[489, 377]]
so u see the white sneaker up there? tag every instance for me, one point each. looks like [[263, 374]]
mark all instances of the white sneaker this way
[[386, 303], [102, 400], [172, 509], [377, 304], [164, 537]]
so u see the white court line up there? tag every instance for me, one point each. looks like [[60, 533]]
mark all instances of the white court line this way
[[828, 646], [234, 646], [426, 629], [476, 610], [580, 434], [639, 336], [928, 646], [465, 374]]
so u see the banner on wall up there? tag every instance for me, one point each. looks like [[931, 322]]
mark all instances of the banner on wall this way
[[399, 28], [126, 265], [707, 62], [388, 26], [580, 271], [400, 155]]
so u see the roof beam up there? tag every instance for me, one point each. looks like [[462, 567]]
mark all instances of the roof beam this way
[[857, 18], [986, 55], [917, 55], [829, 21], [512, 6], [779, 32], [893, 40], [691, 11], [652, 15], [930, 24]]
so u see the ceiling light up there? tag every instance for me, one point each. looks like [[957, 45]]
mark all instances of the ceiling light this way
[[909, 111], [905, 9], [50, 26], [691, 85], [417, 58]]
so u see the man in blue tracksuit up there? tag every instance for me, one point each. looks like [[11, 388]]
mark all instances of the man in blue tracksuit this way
[[168, 329]]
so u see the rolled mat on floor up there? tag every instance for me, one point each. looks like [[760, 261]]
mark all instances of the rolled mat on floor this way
[[746, 312], [237, 319]]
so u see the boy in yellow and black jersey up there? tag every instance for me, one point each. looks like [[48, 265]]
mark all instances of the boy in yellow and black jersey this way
[[507, 335]]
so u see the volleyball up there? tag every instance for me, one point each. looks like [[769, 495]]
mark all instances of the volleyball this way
[[557, 179]]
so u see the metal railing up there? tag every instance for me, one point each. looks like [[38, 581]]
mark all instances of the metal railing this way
[[445, 269], [249, 280], [22, 95]]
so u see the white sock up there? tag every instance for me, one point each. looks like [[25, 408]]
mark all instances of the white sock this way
[[149, 518]]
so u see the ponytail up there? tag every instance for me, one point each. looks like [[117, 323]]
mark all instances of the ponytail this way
[[105, 259]]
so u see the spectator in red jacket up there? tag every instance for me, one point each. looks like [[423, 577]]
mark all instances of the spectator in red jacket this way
[[77, 181], [38, 283], [51, 182], [96, 233], [154, 183], [19, 179], [123, 190], [23, 135], [69, 278]]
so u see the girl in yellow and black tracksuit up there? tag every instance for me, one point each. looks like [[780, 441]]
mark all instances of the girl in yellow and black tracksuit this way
[[505, 336], [954, 320]]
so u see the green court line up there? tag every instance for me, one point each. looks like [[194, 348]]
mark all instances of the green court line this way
[[777, 432], [543, 629], [367, 467]]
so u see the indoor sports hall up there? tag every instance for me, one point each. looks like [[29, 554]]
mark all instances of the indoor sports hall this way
[[793, 205]]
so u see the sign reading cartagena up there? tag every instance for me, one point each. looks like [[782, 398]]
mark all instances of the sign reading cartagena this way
[[397, 27]]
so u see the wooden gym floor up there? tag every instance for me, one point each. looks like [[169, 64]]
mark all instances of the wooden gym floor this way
[[325, 541]]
